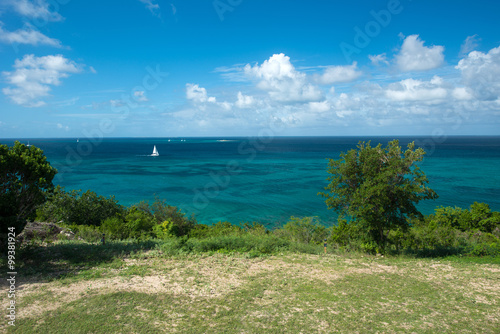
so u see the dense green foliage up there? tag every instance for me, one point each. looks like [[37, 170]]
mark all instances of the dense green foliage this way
[[378, 188], [77, 207], [25, 178], [173, 221], [93, 215]]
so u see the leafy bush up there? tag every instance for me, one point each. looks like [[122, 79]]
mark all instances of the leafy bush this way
[[87, 233], [139, 224], [164, 230], [255, 228], [305, 230], [180, 224], [478, 217], [484, 249], [114, 228], [345, 235], [215, 230], [74, 207]]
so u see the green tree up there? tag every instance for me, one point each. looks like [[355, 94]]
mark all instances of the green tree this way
[[25, 179], [378, 188]]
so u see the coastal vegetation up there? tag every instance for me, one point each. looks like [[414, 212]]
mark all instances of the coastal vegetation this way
[[378, 188], [25, 180], [150, 267]]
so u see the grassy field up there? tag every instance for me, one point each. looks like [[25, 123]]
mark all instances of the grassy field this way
[[124, 288]]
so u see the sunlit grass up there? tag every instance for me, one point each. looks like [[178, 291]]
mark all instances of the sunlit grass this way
[[137, 288]]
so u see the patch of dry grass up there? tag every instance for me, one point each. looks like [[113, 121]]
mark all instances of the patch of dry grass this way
[[285, 293]]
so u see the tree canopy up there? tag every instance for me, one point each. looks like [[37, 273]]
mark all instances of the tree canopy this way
[[378, 188], [25, 178]]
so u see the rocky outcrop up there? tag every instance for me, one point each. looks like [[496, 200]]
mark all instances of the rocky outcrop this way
[[43, 231]]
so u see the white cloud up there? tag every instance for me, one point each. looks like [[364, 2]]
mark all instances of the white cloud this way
[[319, 106], [225, 105], [461, 93], [481, 73], [27, 36], [416, 90], [36, 9], [414, 56], [33, 77], [336, 74], [139, 96], [344, 105], [245, 101], [198, 94], [282, 81], [379, 59], [470, 44], [385, 100], [154, 8]]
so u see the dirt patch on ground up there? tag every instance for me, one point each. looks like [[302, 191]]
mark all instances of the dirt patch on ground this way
[[218, 275]]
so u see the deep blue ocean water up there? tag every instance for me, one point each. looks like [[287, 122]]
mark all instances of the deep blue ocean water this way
[[258, 179]]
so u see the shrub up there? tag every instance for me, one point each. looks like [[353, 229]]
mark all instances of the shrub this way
[[181, 225], [74, 207], [139, 224], [345, 235], [255, 228], [218, 229], [114, 228], [305, 230], [87, 233], [478, 217], [164, 230]]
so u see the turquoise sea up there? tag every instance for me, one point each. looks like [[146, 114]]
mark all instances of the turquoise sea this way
[[258, 179]]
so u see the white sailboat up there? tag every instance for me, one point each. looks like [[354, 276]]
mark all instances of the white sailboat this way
[[155, 152]]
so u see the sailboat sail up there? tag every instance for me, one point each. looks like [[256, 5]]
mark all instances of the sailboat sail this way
[[155, 152]]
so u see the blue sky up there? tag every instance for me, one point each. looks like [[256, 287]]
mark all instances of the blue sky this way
[[151, 68]]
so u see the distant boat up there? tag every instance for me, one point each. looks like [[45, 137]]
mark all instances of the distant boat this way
[[155, 152], [78, 140], [28, 144]]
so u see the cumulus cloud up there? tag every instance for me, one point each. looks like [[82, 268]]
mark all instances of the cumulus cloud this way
[[414, 56], [282, 81], [198, 94], [33, 77], [36, 9], [245, 101], [417, 90], [481, 73], [153, 7], [319, 106], [337, 74], [345, 105], [461, 93], [27, 36]]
